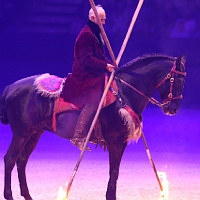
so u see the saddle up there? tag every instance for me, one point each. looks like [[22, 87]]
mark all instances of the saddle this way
[[51, 86]]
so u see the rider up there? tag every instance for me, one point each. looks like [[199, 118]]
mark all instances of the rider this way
[[85, 86]]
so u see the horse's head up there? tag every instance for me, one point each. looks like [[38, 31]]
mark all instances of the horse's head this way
[[171, 89]]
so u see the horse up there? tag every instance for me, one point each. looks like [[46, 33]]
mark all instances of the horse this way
[[30, 114]]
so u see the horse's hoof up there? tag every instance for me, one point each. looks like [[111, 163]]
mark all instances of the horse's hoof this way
[[28, 198], [10, 198], [111, 198]]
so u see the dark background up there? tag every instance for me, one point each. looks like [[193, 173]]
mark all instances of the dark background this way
[[37, 36]]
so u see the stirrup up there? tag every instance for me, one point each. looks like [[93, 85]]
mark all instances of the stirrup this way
[[79, 143]]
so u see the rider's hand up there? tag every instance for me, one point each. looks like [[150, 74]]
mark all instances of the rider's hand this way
[[110, 67]]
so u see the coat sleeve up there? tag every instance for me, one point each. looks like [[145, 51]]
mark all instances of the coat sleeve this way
[[89, 53]]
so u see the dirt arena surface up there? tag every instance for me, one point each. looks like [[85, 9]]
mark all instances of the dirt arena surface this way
[[173, 143]]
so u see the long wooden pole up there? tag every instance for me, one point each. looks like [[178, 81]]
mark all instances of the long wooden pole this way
[[107, 86], [151, 161], [135, 15], [103, 33]]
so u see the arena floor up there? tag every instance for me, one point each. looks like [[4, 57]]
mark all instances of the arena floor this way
[[173, 143]]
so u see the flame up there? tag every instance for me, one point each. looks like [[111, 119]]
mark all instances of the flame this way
[[62, 194], [164, 195]]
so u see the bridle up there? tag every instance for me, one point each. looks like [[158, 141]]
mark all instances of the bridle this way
[[169, 76]]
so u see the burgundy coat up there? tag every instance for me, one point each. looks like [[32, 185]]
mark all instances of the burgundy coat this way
[[86, 83]]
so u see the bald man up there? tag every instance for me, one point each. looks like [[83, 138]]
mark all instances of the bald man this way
[[85, 86]]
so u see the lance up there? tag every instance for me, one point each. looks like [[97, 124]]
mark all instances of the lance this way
[[115, 62], [151, 161]]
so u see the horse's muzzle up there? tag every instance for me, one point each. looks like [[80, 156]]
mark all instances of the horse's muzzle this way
[[169, 109]]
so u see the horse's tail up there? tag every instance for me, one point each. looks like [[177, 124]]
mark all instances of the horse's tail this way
[[3, 114]]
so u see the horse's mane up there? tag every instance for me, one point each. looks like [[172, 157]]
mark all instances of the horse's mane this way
[[141, 60]]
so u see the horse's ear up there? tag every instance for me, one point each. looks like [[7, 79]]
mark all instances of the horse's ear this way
[[183, 59], [180, 61]]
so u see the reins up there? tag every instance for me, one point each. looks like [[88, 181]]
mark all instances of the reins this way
[[170, 76], [151, 99]]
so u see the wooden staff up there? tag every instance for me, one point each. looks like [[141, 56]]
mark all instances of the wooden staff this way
[[151, 161], [135, 15], [103, 32], [107, 86]]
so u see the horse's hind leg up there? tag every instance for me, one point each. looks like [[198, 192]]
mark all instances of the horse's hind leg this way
[[10, 158], [22, 162]]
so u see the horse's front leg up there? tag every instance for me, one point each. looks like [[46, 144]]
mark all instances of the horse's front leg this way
[[115, 154], [22, 162]]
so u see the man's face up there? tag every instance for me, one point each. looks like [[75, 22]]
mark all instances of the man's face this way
[[102, 17]]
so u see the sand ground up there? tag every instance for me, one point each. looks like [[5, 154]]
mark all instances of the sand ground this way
[[53, 161]]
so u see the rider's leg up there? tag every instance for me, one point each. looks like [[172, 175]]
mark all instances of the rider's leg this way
[[83, 125]]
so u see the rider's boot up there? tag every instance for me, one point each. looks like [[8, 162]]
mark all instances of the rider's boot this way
[[82, 126]]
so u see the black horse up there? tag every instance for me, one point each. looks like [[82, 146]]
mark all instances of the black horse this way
[[30, 114]]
